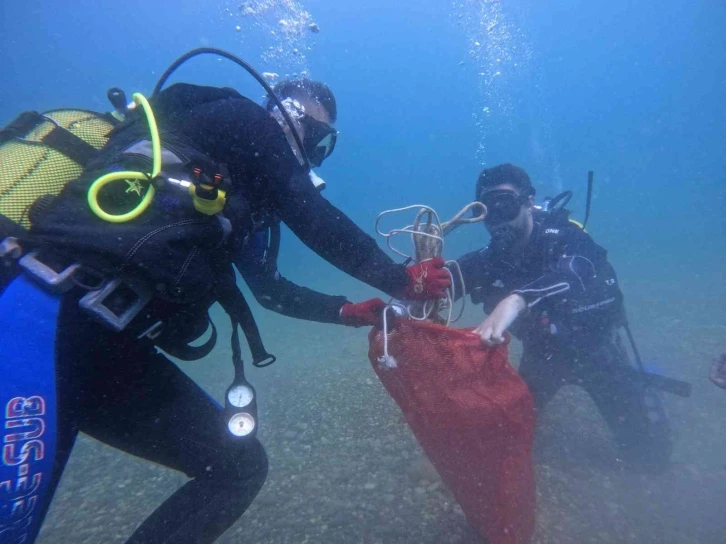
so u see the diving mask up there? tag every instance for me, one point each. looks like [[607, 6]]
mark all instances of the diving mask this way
[[319, 141], [320, 138], [502, 205]]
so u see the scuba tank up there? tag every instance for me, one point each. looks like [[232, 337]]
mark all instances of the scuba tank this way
[[43, 152]]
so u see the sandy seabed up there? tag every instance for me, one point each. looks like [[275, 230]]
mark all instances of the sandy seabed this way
[[344, 468]]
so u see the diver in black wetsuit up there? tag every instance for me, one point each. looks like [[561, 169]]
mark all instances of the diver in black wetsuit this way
[[257, 262], [544, 279], [113, 384]]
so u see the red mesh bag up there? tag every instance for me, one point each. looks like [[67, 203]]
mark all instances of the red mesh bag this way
[[474, 418]]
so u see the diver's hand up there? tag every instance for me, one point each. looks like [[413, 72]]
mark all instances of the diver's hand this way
[[493, 327], [426, 280], [363, 314]]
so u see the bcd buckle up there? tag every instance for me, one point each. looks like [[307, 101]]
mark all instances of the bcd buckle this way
[[10, 248], [56, 276], [116, 303]]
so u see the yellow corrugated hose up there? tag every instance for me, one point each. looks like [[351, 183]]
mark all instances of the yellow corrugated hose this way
[[104, 180]]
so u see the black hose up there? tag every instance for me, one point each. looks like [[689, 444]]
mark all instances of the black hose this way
[[270, 93], [562, 199]]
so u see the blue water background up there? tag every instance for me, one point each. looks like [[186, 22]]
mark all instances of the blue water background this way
[[630, 91], [634, 91]]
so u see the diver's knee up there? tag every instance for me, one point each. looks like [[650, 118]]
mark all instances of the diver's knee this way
[[245, 461]]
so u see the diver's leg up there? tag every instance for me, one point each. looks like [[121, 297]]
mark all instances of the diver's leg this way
[[634, 412], [140, 402], [36, 405], [158, 413], [65, 435]]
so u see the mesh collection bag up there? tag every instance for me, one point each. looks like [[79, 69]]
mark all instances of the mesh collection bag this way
[[473, 416], [468, 408]]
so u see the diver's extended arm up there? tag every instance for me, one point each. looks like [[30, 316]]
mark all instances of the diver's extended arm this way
[[580, 277], [245, 136], [332, 235], [280, 295]]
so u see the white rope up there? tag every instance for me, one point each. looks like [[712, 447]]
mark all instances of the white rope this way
[[387, 360], [428, 244], [408, 229], [455, 264]]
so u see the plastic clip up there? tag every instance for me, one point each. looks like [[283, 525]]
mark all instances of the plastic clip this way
[[10, 248], [55, 281], [116, 303]]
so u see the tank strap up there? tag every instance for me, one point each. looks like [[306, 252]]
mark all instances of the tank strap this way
[[187, 352], [21, 125], [59, 138], [73, 147], [234, 304]]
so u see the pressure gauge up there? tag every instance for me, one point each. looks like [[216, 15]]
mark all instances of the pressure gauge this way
[[241, 424], [240, 396]]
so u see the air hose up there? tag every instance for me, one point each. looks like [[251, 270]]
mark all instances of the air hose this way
[[131, 176]]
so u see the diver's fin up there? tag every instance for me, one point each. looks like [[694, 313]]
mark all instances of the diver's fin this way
[[664, 383]]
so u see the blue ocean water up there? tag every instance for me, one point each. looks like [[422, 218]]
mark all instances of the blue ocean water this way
[[428, 92], [631, 92]]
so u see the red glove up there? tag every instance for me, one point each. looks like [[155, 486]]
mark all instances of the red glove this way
[[426, 280], [363, 314]]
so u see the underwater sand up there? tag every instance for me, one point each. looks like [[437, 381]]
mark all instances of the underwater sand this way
[[344, 467]]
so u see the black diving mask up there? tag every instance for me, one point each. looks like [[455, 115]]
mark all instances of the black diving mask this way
[[502, 205], [320, 139]]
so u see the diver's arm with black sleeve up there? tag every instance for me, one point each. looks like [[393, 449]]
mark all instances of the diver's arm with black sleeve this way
[[332, 235], [280, 295]]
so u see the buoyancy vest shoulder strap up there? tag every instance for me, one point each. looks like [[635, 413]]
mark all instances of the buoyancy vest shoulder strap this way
[[59, 138], [234, 304]]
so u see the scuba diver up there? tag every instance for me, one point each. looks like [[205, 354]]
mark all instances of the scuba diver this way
[[129, 257], [257, 263], [543, 278]]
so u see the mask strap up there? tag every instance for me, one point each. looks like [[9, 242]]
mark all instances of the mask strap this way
[[295, 111]]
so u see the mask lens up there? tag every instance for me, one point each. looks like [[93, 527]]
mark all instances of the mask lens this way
[[327, 143], [502, 206]]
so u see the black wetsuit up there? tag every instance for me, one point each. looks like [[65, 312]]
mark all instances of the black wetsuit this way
[[257, 264], [570, 330], [116, 387]]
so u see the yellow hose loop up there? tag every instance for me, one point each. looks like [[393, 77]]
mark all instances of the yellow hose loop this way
[[139, 99], [101, 182], [104, 180]]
